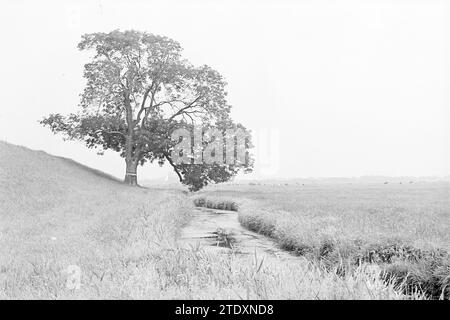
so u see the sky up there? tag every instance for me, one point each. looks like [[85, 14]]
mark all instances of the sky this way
[[328, 88]]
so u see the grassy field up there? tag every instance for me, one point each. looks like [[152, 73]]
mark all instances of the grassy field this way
[[57, 215], [403, 227], [418, 213]]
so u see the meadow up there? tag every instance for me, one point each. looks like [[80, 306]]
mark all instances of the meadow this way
[[56, 214], [403, 228]]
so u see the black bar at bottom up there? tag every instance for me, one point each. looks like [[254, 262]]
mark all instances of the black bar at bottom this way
[[223, 309]]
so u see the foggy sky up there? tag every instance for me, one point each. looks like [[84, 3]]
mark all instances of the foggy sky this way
[[329, 88]]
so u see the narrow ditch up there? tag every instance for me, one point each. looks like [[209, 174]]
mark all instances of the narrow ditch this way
[[220, 230]]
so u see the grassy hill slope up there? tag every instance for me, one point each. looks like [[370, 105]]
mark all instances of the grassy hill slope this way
[[34, 181], [56, 213]]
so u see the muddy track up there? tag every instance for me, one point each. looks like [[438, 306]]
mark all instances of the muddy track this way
[[220, 231]]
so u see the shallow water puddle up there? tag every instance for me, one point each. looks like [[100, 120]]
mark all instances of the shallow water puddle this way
[[220, 230]]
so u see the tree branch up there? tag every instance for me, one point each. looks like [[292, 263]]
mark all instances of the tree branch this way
[[182, 110], [110, 132], [174, 167]]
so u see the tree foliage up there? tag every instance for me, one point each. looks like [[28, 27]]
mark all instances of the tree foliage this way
[[138, 89]]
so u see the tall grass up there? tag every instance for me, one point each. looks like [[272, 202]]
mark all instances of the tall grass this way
[[422, 270], [114, 253], [55, 214], [135, 255], [215, 203], [200, 274]]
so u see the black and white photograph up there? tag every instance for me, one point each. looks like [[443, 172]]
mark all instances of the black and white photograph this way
[[225, 155]]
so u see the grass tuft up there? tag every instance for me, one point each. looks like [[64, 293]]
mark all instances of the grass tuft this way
[[216, 203]]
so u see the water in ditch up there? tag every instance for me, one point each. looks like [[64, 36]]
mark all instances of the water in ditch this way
[[220, 231]]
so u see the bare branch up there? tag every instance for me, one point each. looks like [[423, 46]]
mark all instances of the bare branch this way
[[182, 110]]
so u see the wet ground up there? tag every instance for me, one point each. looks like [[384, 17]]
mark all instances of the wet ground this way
[[220, 230]]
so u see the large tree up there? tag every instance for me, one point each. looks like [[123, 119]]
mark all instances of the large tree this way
[[138, 90]]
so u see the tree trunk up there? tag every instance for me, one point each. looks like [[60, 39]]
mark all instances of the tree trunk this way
[[131, 173]]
